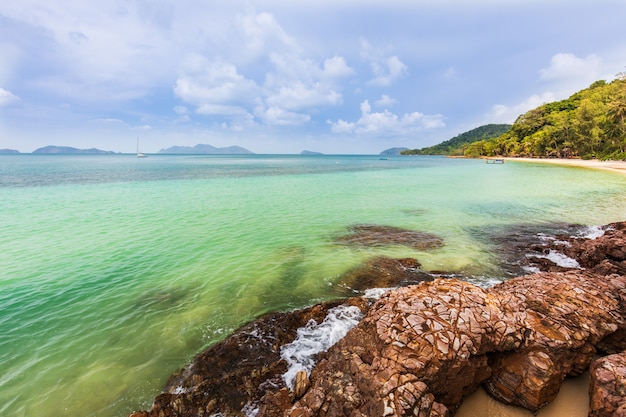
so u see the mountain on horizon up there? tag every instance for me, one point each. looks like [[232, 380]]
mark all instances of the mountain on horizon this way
[[457, 145], [202, 149], [68, 150], [393, 151]]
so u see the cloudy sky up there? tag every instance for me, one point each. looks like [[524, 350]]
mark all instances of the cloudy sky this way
[[278, 76]]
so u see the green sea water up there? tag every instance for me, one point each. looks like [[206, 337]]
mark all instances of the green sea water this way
[[115, 271]]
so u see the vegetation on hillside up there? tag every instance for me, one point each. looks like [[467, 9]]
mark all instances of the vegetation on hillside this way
[[458, 144], [589, 124]]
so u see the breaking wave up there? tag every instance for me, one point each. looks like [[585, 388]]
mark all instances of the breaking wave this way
[[315, 338]]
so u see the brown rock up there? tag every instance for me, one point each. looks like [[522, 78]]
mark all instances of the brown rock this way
[[605, 254], [421, 349], [430, 345], [385, 272], [562, 317], [608, 386], [238, 372], [302, 384], [377, 235]]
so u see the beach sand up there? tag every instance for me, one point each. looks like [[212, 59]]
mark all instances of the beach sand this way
[[572, 401], [573, 398], [615, 166]]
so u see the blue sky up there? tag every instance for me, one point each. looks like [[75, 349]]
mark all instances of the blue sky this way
[[284, 76]]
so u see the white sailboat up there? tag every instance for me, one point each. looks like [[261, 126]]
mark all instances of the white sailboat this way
[[139, 154]]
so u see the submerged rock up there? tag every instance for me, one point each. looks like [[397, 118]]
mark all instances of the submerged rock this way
[[385, 272], [377, 235], [560, 247], [421, 349], [233, 375], [604, 254]]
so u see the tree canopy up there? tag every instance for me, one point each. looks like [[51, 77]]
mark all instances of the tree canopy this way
[[458, 144], [589, 124]]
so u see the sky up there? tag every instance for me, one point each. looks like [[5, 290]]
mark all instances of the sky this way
[[330, 76]]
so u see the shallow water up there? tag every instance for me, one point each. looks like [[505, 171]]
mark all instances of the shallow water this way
[[115, 271]]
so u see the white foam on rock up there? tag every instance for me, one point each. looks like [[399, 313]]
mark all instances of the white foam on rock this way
[[375, 293], [592, 232], [315, 338], [559, 259]]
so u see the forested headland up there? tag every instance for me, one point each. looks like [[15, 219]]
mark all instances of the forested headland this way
[[458, 144], [589, 124]]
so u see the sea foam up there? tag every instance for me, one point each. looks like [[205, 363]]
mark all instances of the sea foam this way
[[315, 338], [559, 259], [592, 232]]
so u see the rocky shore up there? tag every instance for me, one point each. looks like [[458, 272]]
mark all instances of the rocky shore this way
[[420, 349]]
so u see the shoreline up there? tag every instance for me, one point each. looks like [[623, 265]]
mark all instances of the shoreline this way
[[531, 348], [613, 166]]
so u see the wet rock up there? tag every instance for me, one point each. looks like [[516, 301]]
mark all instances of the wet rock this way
[[560, 247], [525, 249], [377, 235], [302, 384], [421, 349], [235, 374], [385, 272], [608, 386], [605, 254]]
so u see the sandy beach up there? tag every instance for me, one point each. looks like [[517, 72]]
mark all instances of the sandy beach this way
[[573, 398], [615, 166]]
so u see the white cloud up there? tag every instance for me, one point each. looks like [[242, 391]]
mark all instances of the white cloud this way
[[386, 69], [565, 75], [6, 97], [262, 34], [215, 87], [292, 85], [385, 101], [251, 65], [108, 122], [568, 73], [387, 72], [297, 84], [386, 123], [280, 117], [336, 67], [565, 66], [501, 113]]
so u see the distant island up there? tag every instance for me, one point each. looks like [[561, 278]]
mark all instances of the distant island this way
[[68, 150], [8, 151], [201, 149], [393, 151], [305, 152]]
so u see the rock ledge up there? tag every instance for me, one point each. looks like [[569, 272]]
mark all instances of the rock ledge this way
[[421, 349]]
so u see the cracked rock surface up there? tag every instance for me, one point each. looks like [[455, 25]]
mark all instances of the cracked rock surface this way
[[421, 349]]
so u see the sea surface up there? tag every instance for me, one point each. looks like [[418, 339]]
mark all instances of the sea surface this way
[[115, 271]]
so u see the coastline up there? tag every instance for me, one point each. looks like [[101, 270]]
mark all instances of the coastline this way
[[532, 345], [613, 166]]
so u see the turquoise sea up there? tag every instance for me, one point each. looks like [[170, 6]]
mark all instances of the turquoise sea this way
[[115, 271]]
